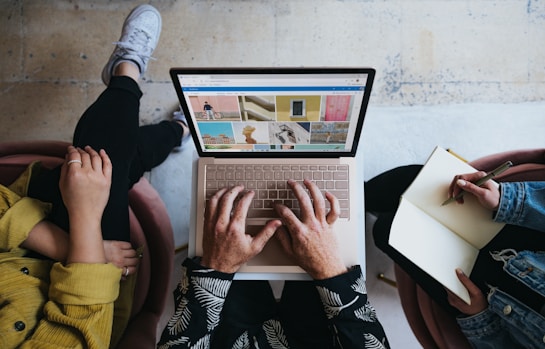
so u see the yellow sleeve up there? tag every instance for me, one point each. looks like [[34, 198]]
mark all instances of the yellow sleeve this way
[[21, 184], [79, 313], [18, 215]]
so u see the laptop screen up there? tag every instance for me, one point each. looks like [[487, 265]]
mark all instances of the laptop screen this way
[[275, 112]]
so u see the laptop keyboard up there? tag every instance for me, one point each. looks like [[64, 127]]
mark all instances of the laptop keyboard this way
[[270, 184]]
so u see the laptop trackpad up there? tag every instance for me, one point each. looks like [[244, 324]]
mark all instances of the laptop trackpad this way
[[273, 253]]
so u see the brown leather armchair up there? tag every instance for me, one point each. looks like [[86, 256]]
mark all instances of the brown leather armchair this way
[[431, 325], [150, 227]]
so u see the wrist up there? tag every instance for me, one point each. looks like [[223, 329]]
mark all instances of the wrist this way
[[218, 265], [328, 273], [194, 266], [85, 241], [84, 222], [89, 212]]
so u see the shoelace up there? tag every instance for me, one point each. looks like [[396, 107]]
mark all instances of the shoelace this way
[[138, 38]]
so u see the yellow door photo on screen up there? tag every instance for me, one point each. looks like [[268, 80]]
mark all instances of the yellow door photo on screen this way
[[298, 108]]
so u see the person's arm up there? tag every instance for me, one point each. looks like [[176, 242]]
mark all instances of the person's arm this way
[[352, 319], [522, 204], [517, 203], [198, 302], [203, 288], [85, 191], [485, 331], [48, 240], [79, 312], [51, 241], [480, 325], [311, 241]]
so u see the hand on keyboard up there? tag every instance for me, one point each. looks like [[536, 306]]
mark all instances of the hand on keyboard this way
[[310, 239], [226, 246]]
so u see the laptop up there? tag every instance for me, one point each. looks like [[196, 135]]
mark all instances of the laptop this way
[[260, 127]]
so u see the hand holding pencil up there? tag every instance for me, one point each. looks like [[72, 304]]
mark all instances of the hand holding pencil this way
[[478, 184]]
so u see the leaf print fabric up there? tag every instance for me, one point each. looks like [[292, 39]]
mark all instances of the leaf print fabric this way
[[366, 313], [243, 342], [174, 343], [344, 298], [211, 293], [372, 342], [332, 302], [359, 285], [275, 334], [200, 298], [180, 320]]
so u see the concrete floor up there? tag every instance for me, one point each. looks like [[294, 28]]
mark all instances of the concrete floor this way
[[52, 53]]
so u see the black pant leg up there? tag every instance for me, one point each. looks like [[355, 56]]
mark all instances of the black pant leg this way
[[247, 306], [302, 315], [45, 187], [382, 192], [155, 142], [110, 123]]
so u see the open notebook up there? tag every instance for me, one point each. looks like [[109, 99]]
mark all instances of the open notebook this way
[[440, 238], [261, 126]]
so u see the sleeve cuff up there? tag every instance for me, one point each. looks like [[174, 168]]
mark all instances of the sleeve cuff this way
[[343, 279], [193, 265], [84, 284], [475, 324], [347, 285], [511, 202]]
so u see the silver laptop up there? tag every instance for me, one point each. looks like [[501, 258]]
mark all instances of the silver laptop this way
[[260, 127]]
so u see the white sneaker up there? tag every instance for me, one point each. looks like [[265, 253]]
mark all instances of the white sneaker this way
[[139, 38]]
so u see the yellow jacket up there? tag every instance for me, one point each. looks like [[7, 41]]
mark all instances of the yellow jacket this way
[[45, 304]]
